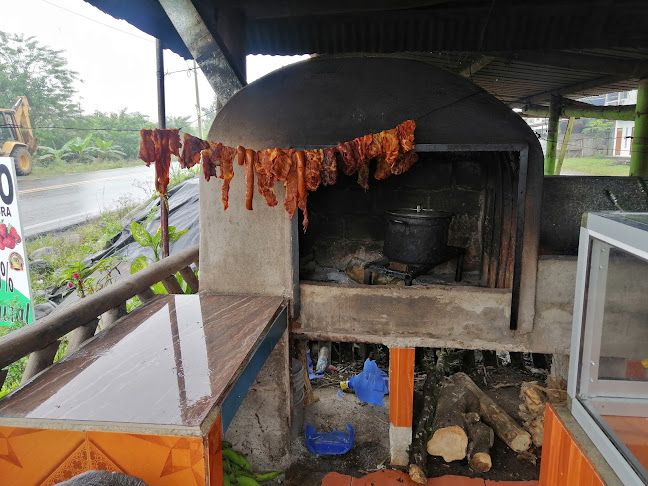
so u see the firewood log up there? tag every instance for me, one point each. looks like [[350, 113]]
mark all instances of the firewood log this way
[[480, 440], [418, 451], [449, 438], [492, 414]]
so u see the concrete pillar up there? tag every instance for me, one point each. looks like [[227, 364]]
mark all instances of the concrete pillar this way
[[401, 398], [639, 156], [552, 135]]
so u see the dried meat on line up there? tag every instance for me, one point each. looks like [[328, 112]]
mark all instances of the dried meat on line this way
[[300, 171]]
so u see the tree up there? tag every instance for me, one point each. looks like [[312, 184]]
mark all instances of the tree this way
[[121, 127], [42, 74]]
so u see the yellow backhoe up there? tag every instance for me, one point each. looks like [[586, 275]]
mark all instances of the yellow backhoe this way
[[17, 138]]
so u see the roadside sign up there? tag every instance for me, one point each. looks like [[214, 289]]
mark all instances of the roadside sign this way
[[15, 286]]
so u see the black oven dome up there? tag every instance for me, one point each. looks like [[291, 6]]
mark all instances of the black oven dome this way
[[323, 101]]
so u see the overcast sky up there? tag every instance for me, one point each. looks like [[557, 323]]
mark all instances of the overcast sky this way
[[115, 61]]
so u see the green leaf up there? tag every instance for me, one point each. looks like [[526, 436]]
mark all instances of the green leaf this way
[[175, 236], [141, 235], [140, 263], [158, 288]]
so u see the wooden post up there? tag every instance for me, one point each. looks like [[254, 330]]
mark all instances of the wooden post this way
[[164, 209], [552, 135], [639, 154], [80, 335], [39, 360], [563, 147], [401, 400]]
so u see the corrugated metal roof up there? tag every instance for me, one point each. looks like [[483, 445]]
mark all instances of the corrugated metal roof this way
[[451, 33]]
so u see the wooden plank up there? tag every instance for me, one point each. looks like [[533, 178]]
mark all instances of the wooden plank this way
[[3, 376], [30, 338], [39, 360], [191, 279], [80, 335], [172, 286], [146, 295]]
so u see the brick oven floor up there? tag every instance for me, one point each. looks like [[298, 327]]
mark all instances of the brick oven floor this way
[[388, 477]]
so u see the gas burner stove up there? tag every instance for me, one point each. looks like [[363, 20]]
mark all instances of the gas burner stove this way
[[409, 272]]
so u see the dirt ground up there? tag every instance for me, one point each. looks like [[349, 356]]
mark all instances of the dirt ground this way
[[370, 451]]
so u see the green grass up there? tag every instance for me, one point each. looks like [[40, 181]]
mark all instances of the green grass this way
[[94, 236], [597, 166], [60, 168]]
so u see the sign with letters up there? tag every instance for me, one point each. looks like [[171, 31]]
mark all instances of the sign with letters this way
[[15, 286]]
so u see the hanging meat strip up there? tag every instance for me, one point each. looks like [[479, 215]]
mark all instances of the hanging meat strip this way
[[348, 157], [191, 149], [265, 180], [167, 143], [250, 158], [390, 145], [240, 155], [146, 147], [226, 158], [313, 168], [406, 135], [329, 167], [383, 171], [282, 163], [375, 147], [362, 145], [301, 185], [291, 185], [404, 162], [210, 159], [363, 175]]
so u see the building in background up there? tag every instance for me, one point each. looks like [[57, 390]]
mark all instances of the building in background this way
[[623, 129]]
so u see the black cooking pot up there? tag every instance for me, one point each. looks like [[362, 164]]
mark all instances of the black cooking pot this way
[[415, 236]]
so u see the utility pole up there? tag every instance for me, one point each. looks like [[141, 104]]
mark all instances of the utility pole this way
[[200, 130], [164, 208]]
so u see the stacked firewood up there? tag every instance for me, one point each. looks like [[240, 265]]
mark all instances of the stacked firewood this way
[[458, 421]]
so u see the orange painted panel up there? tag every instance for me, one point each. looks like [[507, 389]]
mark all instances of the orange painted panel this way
[[40, 457], [401, 386], [158, 460], [563, 460], [214, 455], [633, 431]]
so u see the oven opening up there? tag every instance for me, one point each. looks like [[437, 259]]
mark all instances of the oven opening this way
[[452, 219]]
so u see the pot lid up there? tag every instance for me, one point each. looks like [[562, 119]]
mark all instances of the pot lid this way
[[419, 213]]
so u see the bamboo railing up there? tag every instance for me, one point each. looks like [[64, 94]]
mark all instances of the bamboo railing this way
[[40, 340]]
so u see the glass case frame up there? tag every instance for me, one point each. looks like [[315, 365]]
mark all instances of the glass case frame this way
[[590, 396]]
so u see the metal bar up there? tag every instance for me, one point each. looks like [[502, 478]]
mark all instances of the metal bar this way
[[477, 64], [552, 135], [639, 155], [164, 209], [519, 237], [573, 88], [563, 147]]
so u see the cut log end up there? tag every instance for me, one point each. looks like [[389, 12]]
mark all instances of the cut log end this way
[[417, 474], [481, 462], [449, 443], [521, 442]]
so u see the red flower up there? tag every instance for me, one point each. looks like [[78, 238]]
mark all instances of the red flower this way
[[75, 275], [70, 285]]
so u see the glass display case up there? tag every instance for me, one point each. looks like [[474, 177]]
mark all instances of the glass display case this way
[[608, 374]]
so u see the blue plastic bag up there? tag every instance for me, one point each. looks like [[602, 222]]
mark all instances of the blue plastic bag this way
[[371, 385], [329, 444]]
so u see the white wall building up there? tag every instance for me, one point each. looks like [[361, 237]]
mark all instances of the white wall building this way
[[623, 129]]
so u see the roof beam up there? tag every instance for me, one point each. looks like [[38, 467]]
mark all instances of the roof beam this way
[[580, 62], [581, 110], [572, 89], [477, 64], [205, 48]]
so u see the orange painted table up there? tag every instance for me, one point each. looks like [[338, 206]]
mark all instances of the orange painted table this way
[[150, 397]]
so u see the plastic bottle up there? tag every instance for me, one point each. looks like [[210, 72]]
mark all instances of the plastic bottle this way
[[323, 360]]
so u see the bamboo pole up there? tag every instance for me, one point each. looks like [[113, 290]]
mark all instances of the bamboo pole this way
[[552, 135], [639, 156], [581, 110], [563, 147]]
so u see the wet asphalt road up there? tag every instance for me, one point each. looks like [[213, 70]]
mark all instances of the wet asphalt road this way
[[53, 203]]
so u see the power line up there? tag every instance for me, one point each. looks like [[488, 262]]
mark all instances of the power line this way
[[96, 21]]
